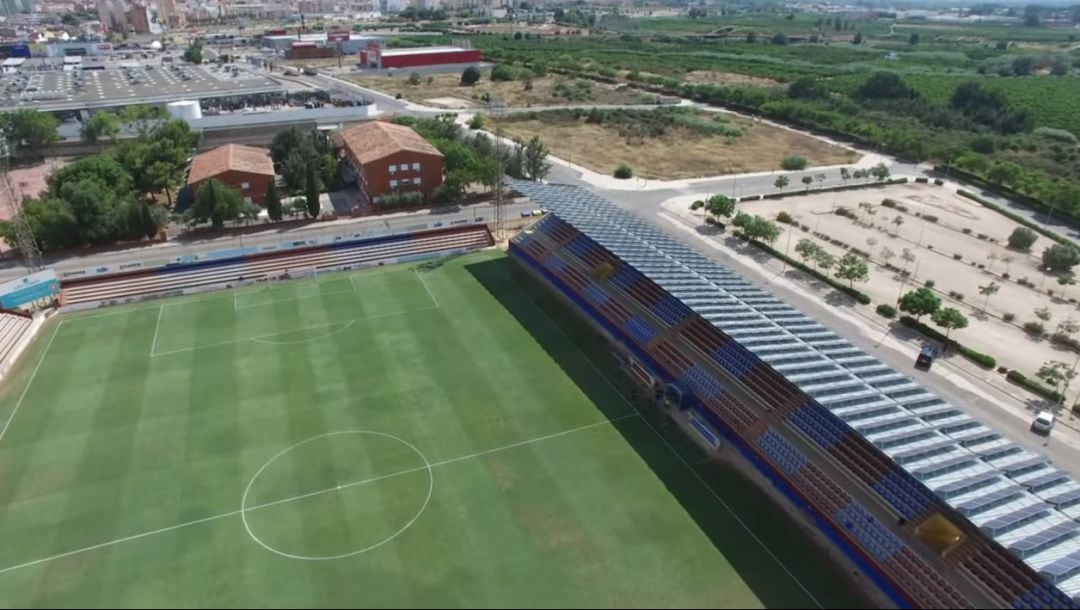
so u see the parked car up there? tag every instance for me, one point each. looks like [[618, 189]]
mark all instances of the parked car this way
[[1044, 423]]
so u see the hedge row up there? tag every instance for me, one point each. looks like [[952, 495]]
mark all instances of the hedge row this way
[[828, 189], [856, 294], [886, 310], [978, 358], [1033, 386], [1016, 217]]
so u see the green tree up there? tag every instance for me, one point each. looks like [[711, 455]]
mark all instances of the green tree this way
[[807, 180], [29, 128], [950, 319], [761, 229], [624, 172], [143, 117], [913, 39], [1058, 375], [216, 203], [1022, 238], [470, 76], [100, 125], [536, 163], [824, 260], [988, 290], [194, 53], [1060, 258], [887, 255], [273, 202], [920, 302], [853, 268], [781, 182], [311, 191], [806, 249], [720, 205], [415, 79], [477, 122]]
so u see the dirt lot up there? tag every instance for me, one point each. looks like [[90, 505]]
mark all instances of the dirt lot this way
[[987, 333], [543, 93], [728, 78], [680, 155]]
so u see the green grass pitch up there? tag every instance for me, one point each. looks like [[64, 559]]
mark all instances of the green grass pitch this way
[[448, 435]]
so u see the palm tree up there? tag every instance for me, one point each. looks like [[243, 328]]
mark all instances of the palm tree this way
[[908, 256], [899, 220], [993, 256], [988, 290], [871, 242]]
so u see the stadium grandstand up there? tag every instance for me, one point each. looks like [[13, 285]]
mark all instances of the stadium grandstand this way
[[935, 508], [187, 277]]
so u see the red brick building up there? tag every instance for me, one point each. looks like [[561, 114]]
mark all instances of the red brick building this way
[[387, 158], [246, 168]]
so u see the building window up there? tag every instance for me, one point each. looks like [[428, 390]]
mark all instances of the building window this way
[[245, 186], [416, 181], [393, 184], [393, 169], [416, 168], [247, 199]]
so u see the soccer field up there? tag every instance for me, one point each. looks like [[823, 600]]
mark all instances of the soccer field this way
[[440, 435]]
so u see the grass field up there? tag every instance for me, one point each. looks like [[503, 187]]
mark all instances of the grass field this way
[[437, 436]]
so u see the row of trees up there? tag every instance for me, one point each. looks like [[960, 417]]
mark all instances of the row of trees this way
[[475, 158], [923, 302], [850, 267], [110, 197]]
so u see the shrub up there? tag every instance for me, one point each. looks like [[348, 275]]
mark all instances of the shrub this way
[[1034, 386], [804, 227], [981, 236], [785, 218], [938, 181], [966, 230], [1035, 327], [959, 296], [1004, 276], [1065, 340], [624, 172], [889, 203], [958, 256], [929, 283], [922, 180], [981, 266], [929, 218], [1008, 317], [794, 162], [886, 310], [902, 208]]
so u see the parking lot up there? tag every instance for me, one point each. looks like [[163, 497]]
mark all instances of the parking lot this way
[[119, 83]]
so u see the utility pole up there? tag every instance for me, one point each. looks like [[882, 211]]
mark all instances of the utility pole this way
[[496, 108], [24, 235]]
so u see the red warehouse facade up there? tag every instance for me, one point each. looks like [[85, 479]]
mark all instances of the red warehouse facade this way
[[378, 57]]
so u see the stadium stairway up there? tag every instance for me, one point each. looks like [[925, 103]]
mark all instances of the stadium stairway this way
[[12, 328], [363, 254]]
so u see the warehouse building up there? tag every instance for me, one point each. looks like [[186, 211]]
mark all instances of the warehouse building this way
[[378, 56]]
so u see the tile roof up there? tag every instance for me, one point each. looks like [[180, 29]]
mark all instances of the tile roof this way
[[375, 140], [235, 157]]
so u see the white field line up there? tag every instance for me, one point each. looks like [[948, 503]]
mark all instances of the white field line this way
[[257, 338], [157, 327], [30, 382], [673, 451], [234, 513], [433, 299]]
